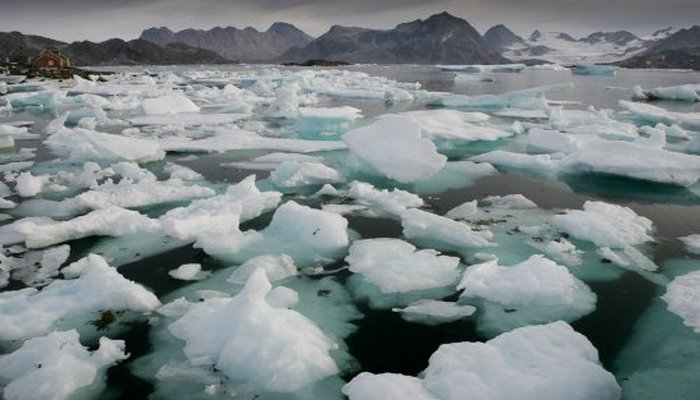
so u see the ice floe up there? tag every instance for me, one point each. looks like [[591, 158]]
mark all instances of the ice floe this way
[[442, 233], [96, 287], [683, 298], [393, 147], [57, 366], [539, 362], [235, 335], [692, 243]]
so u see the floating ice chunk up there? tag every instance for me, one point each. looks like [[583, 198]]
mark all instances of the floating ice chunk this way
[[545, 362], [395, 266], [188, 272], [473, 78], [235, 334], [654, 114], [597, 70], [532, 98], [308, 235], [27, 313], [536, 281], [186, 120], [507, 159], [683, 298], [463, 211], [393, 147], [510, 202], [56, 366], [233, 138], [547, 67], [276, 268], [693, 146], [206, 217], [130, 195], [452, 124], [181, 172], [674, 131], [110, 221], [534, 291], [28, 185], [679, 93], [295, 174], [173, 103], [331, 113], [383, 202], [272, 160], [434, 312], [606, 225], [692, 243], [286, 103], [564, 251], [442, 233], [34, 268], [79, 144], [483, 68], [387, 386]]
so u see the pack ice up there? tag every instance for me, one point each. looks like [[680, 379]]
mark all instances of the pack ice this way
[[538, 362]]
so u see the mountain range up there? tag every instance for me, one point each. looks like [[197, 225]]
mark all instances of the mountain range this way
[[241, 45], [440, 39]]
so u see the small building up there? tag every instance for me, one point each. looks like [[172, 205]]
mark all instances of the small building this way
[[51, 59]]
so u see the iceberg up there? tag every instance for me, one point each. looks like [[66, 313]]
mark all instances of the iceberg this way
[[109, 221], [534, 291], [655, 114], [57, 366], [476, 68], [683, 298], [545, 362], [442, 233], [452, 125], [96, 287], [678, 93], [692, 243], [532, 98], [395, 266], [290, 174], [606, 225], [393, 147], [235, 335], [434, 312], [597, 70]]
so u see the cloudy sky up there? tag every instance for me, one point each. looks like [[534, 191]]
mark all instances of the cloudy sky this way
[[102, 19]]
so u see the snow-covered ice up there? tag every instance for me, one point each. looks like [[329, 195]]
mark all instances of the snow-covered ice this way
[[683, 298]]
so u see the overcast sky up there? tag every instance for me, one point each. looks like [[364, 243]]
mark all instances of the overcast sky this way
[[98, 20]]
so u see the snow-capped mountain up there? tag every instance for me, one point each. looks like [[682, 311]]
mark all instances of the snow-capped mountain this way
[[562, 48]]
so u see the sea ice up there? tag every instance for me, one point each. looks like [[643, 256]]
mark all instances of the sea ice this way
[[96, 287], [683, 298], [393, 147], [172, 103], [110, 221], [545, 362], [442, 233], [434, 312], [606, 225], [395, 266], [452, 125], [290, 174], [188, 272], [597, 70], [692, 243], [680, 93], [382, 202], [276, 267], [57, 366], [236, 335]]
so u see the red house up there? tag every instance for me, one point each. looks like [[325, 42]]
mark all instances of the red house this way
[[50, 59]]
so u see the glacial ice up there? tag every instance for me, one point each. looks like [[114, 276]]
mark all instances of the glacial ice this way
[[452, 124], [95, 287], [57, 366], [271, 348], [290, 174], [442, 233], [655, 114], [173, 103], [477, 68], [606, 225], [109, 221], [395, 266], [532, 98], [544, 362], [473, 78], [593, 69], [393, 147], [276, 267], [683, 298], [534, 291], [434, 312], [679, 93], [382, 202], [692, 243], [188, 272]]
